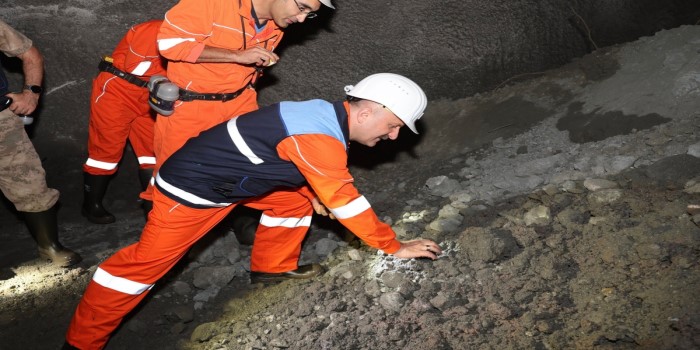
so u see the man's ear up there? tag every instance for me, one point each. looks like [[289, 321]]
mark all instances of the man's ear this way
[[363, 114]]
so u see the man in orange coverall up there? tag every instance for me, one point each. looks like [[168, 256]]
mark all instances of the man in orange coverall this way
[[262, 159], [216, 51], [119, 111]]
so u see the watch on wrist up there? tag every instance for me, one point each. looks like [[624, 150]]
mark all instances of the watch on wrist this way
[[34, 88]]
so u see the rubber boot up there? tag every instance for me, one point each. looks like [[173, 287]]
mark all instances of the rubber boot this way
[[43, 227], [145, 176], [94, 189], [244, 222]]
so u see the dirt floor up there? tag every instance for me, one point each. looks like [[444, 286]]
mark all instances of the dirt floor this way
[[561, 203]]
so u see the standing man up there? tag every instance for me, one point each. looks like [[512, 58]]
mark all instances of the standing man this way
[[22, 178], [217, 50], [262, 159], [119, 111]]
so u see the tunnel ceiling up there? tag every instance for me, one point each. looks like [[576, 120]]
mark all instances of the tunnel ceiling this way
[[454, 49]]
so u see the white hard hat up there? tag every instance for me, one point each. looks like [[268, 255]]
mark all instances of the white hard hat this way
[[399, 94], [327, 3]]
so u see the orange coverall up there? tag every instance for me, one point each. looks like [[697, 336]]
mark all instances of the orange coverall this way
[[188, 27], [124, 279], [119, 110]]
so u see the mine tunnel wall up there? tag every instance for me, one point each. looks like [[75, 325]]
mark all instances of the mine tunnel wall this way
[[453, 48]]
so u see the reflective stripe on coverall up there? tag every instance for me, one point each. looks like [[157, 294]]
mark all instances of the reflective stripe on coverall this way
[[119, 110], [123, 280]]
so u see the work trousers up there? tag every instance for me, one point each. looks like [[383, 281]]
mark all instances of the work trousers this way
[[124, 279], [191, 118], [119, 111], [22, 178]]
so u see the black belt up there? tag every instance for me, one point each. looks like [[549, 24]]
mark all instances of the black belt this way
[[109, 68], [188, 95]]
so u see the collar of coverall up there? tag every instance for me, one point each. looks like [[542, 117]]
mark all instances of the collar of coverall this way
[[342, 110]]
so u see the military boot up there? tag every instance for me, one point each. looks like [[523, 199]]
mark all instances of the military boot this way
[[43, 227], [94, 188]]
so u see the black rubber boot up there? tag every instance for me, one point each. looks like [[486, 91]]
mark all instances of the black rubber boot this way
[[94, 188], [145, 176], [244, 222], [43, 227]]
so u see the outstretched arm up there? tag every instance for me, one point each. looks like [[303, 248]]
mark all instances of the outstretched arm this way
[[418, 248], [322, 161]]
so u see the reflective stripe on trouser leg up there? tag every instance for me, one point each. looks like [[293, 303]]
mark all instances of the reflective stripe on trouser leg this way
[[127, 275], [283, 226], [112, 111], [141, 139]]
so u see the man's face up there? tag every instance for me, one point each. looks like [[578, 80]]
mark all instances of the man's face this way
[[379, 124], [286, 12]]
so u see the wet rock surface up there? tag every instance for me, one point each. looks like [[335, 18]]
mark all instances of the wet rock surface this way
[[552, 239]]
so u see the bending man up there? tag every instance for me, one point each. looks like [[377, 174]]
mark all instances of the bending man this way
[[262, 159]]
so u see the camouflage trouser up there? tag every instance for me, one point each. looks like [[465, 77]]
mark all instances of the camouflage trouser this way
[[22, 178]]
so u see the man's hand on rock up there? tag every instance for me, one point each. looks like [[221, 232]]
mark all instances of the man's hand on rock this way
[[418, 248]]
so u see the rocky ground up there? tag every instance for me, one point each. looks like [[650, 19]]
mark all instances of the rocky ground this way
[[561, 203]]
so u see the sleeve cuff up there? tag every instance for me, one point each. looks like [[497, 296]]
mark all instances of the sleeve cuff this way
[[393, 247], [195, 53]]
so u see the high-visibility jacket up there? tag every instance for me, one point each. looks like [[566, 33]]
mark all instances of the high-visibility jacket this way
[[119, 109], [282, 146], [227, 24]]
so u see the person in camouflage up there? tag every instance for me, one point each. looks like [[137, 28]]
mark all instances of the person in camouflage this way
[[22, 178]]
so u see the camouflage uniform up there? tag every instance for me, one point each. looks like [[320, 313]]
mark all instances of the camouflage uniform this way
[[22, 178]]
